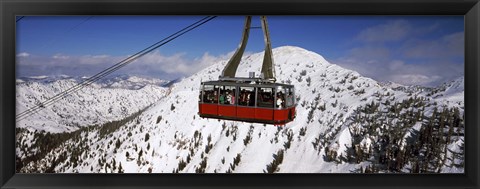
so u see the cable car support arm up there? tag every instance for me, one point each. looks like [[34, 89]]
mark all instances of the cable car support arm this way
[[268, 71]]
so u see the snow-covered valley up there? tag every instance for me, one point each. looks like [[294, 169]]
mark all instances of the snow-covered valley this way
[[345, 123], [107, 100]]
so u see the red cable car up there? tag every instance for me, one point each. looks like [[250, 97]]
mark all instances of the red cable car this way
[[257, 100]]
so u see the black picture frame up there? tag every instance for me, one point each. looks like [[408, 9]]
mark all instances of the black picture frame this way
[[10, 8]]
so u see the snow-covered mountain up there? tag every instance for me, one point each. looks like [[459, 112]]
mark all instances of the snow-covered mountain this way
[[345, 123], [43, 78], [122, 81], [131, 82], [450, 92], [93, 104]]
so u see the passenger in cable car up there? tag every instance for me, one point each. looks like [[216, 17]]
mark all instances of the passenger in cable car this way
[[265, 99], [260, 98], [251, 99], [232, 97], [228, 97], [269, 97], [289, 99], [205, 96], [215, 96], [243, 98], [280, 101], [222, 97]]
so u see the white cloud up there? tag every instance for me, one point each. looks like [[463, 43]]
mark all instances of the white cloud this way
[[23, 54], [177, 64], [391, 31], [414, 79], [370, 53], [396, 65], [445, 46], [412, 60], [429, 73], [60, 56], [152, 64]]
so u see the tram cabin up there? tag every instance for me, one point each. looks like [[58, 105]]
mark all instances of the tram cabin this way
[[270, 103]]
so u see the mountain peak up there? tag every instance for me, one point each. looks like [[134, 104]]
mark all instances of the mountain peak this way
[[338, 113], [296, 50]]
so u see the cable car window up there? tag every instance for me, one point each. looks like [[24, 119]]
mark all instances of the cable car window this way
[[246, 96], [227, 95], [289, 97], [265, 97], [200, 99], [280, 98], [210, 94]]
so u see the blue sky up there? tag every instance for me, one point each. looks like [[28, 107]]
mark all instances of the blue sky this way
[[422, 50]]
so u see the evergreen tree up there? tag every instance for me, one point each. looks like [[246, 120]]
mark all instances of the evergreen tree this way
[[120, 168], [147, 136]]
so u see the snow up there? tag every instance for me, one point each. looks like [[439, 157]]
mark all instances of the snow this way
[[451, 93], [173, 138], [39, 77], [344, 141], [90, 105]]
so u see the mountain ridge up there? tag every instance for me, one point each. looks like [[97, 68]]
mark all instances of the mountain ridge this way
[[341, 115], [93, 104]]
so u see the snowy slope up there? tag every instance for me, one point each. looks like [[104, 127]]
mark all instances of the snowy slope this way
[[170, 137], [451, 92], [94, 104], [131, 82]]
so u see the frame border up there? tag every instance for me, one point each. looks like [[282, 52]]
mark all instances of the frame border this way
[[10, 8]]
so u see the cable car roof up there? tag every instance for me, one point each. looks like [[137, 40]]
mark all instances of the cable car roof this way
[[231, 83]]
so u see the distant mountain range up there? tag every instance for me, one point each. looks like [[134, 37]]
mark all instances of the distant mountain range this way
[[123, 81], [108, 99]]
